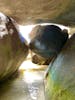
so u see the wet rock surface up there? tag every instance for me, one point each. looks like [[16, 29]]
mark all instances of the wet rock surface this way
[[60, 81]]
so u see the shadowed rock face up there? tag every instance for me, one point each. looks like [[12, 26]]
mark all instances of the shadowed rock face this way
[[47, 41], [27, 11]]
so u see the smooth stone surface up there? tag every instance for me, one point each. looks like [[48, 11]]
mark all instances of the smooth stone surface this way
[[47, 41], [61, 78], [26, 11], [13, 51]]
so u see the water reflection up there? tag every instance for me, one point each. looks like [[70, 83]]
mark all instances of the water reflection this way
[[35, 84], [27, 85], [33, 78]]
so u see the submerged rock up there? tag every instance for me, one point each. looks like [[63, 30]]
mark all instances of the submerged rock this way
[[13, 51], [61, 77]]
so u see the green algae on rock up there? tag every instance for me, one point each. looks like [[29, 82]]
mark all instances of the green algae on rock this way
[[61, 81]]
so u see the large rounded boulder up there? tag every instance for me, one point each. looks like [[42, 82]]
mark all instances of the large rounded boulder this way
[[13, 51], [60, 83], [47, 41]]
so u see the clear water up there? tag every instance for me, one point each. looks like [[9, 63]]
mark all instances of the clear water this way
[[28, 85]]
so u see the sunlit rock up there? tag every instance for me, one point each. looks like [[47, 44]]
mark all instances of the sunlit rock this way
[[13, 51]]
